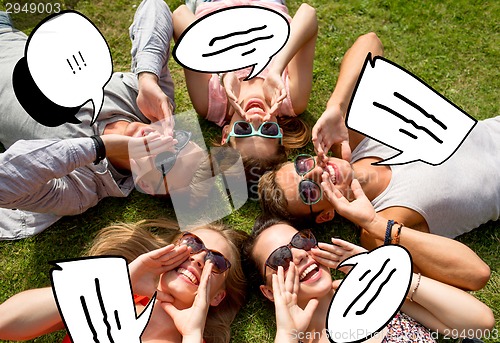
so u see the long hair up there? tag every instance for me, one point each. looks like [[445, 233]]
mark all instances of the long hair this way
[[253, 270], [271, 196], [133, 239]]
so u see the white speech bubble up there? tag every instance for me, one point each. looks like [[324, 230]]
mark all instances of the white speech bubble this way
[[69, 60], [396, 108], [94, 297], [231, 39], [370, 295]]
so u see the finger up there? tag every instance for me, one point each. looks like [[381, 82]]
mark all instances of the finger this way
[[357, 190], [345, 245], [327, 262], [281, 279], [156, 254], [169, 308], [164, 297], [325, 249], [290, 277], [296, 281], [346, 151], [311, 307]]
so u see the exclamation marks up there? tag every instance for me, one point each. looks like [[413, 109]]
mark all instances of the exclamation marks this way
[[76, 61]]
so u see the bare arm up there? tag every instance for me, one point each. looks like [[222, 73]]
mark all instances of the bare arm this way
[[29, 314], [197, 83], [298, 55], [447, 309], [437, 257], [330, 128]]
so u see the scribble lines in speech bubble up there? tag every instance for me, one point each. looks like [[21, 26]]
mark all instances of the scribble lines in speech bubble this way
[[231, 39], [370, 295], [239, 44], [377, 293], [396, 108], [409, 121], [97, 291]]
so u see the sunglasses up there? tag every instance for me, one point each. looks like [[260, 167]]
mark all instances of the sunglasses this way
[[309, 190], [165, 161], [282, 256], [243, 129], [220, 263]]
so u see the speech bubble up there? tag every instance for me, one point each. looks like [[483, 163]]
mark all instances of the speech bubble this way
[[94, 298], [231, 39], [396, 108], [370, 295], [70, 63]]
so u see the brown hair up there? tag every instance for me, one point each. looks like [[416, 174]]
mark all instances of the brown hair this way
[[253, 270], [133, 239], [271, 195]]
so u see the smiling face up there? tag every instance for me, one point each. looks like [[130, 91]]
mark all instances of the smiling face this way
[[338, 170], [182, 282], [252, 101], [314, 279]]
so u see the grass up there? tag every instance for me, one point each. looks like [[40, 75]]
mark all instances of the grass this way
[[453, 45]]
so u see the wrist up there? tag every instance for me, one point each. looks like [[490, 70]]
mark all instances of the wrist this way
[[147, 79]]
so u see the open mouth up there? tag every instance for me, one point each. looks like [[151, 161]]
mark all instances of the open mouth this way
[[255, 106], [188, 275], [333, 171], [309, 272]]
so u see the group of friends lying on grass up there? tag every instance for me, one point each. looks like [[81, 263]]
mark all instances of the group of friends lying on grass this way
[[201, 275]]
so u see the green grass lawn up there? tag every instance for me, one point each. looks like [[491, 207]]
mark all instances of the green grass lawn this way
[[453, 45]]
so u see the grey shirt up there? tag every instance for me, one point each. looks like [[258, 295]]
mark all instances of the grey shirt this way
[[453, 197], [46, 172]]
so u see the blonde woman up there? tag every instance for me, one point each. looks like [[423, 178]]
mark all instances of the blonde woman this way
[[180, 266]]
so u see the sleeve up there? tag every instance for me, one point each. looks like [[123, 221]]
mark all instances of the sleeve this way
[[151, 33], [46, 176], [217, 101]]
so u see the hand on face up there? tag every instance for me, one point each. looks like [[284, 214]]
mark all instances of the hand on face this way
[[274, 92], [331, 255], [330, 129], [232, 86], [190, 322], [146, 269], [142, 153], [290, 318], [360, 211]]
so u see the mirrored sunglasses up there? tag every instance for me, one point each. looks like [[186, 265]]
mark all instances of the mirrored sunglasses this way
[[310, 191]]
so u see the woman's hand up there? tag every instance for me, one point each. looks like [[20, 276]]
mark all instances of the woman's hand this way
[[330, 129], [290, 318], [360, 211], [330, 255], [274, 92], [152, 101], [146, 269], [231, 85], [191, 321]]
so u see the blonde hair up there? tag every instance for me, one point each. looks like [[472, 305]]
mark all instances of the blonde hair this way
[[133, 239]]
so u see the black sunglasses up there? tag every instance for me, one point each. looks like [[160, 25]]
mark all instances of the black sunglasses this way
[[282, 256], [309, 190], [220, 263], [165, 161]]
